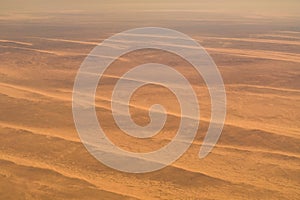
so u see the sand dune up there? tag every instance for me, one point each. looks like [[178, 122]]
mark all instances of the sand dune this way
[[35, 91], [104, 103], [79, 189], [69, 41], [278, 36], [52, 134], [116, 46], [16, 42], [32, 49], [25, 159], [290, 32], [254, 40], [266, 87], [261, 54]]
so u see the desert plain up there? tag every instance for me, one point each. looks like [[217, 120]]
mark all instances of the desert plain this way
[[256, 157]]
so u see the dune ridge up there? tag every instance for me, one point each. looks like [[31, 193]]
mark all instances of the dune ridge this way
[[30, 160]]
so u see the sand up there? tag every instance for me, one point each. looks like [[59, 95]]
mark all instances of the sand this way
[[257, 156]]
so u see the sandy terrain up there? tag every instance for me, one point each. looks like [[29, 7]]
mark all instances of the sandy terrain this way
[[257, 156]]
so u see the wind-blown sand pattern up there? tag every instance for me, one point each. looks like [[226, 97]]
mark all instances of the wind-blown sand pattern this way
[[257, 156]]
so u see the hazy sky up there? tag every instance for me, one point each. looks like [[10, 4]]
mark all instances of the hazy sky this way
[[263, 7]]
